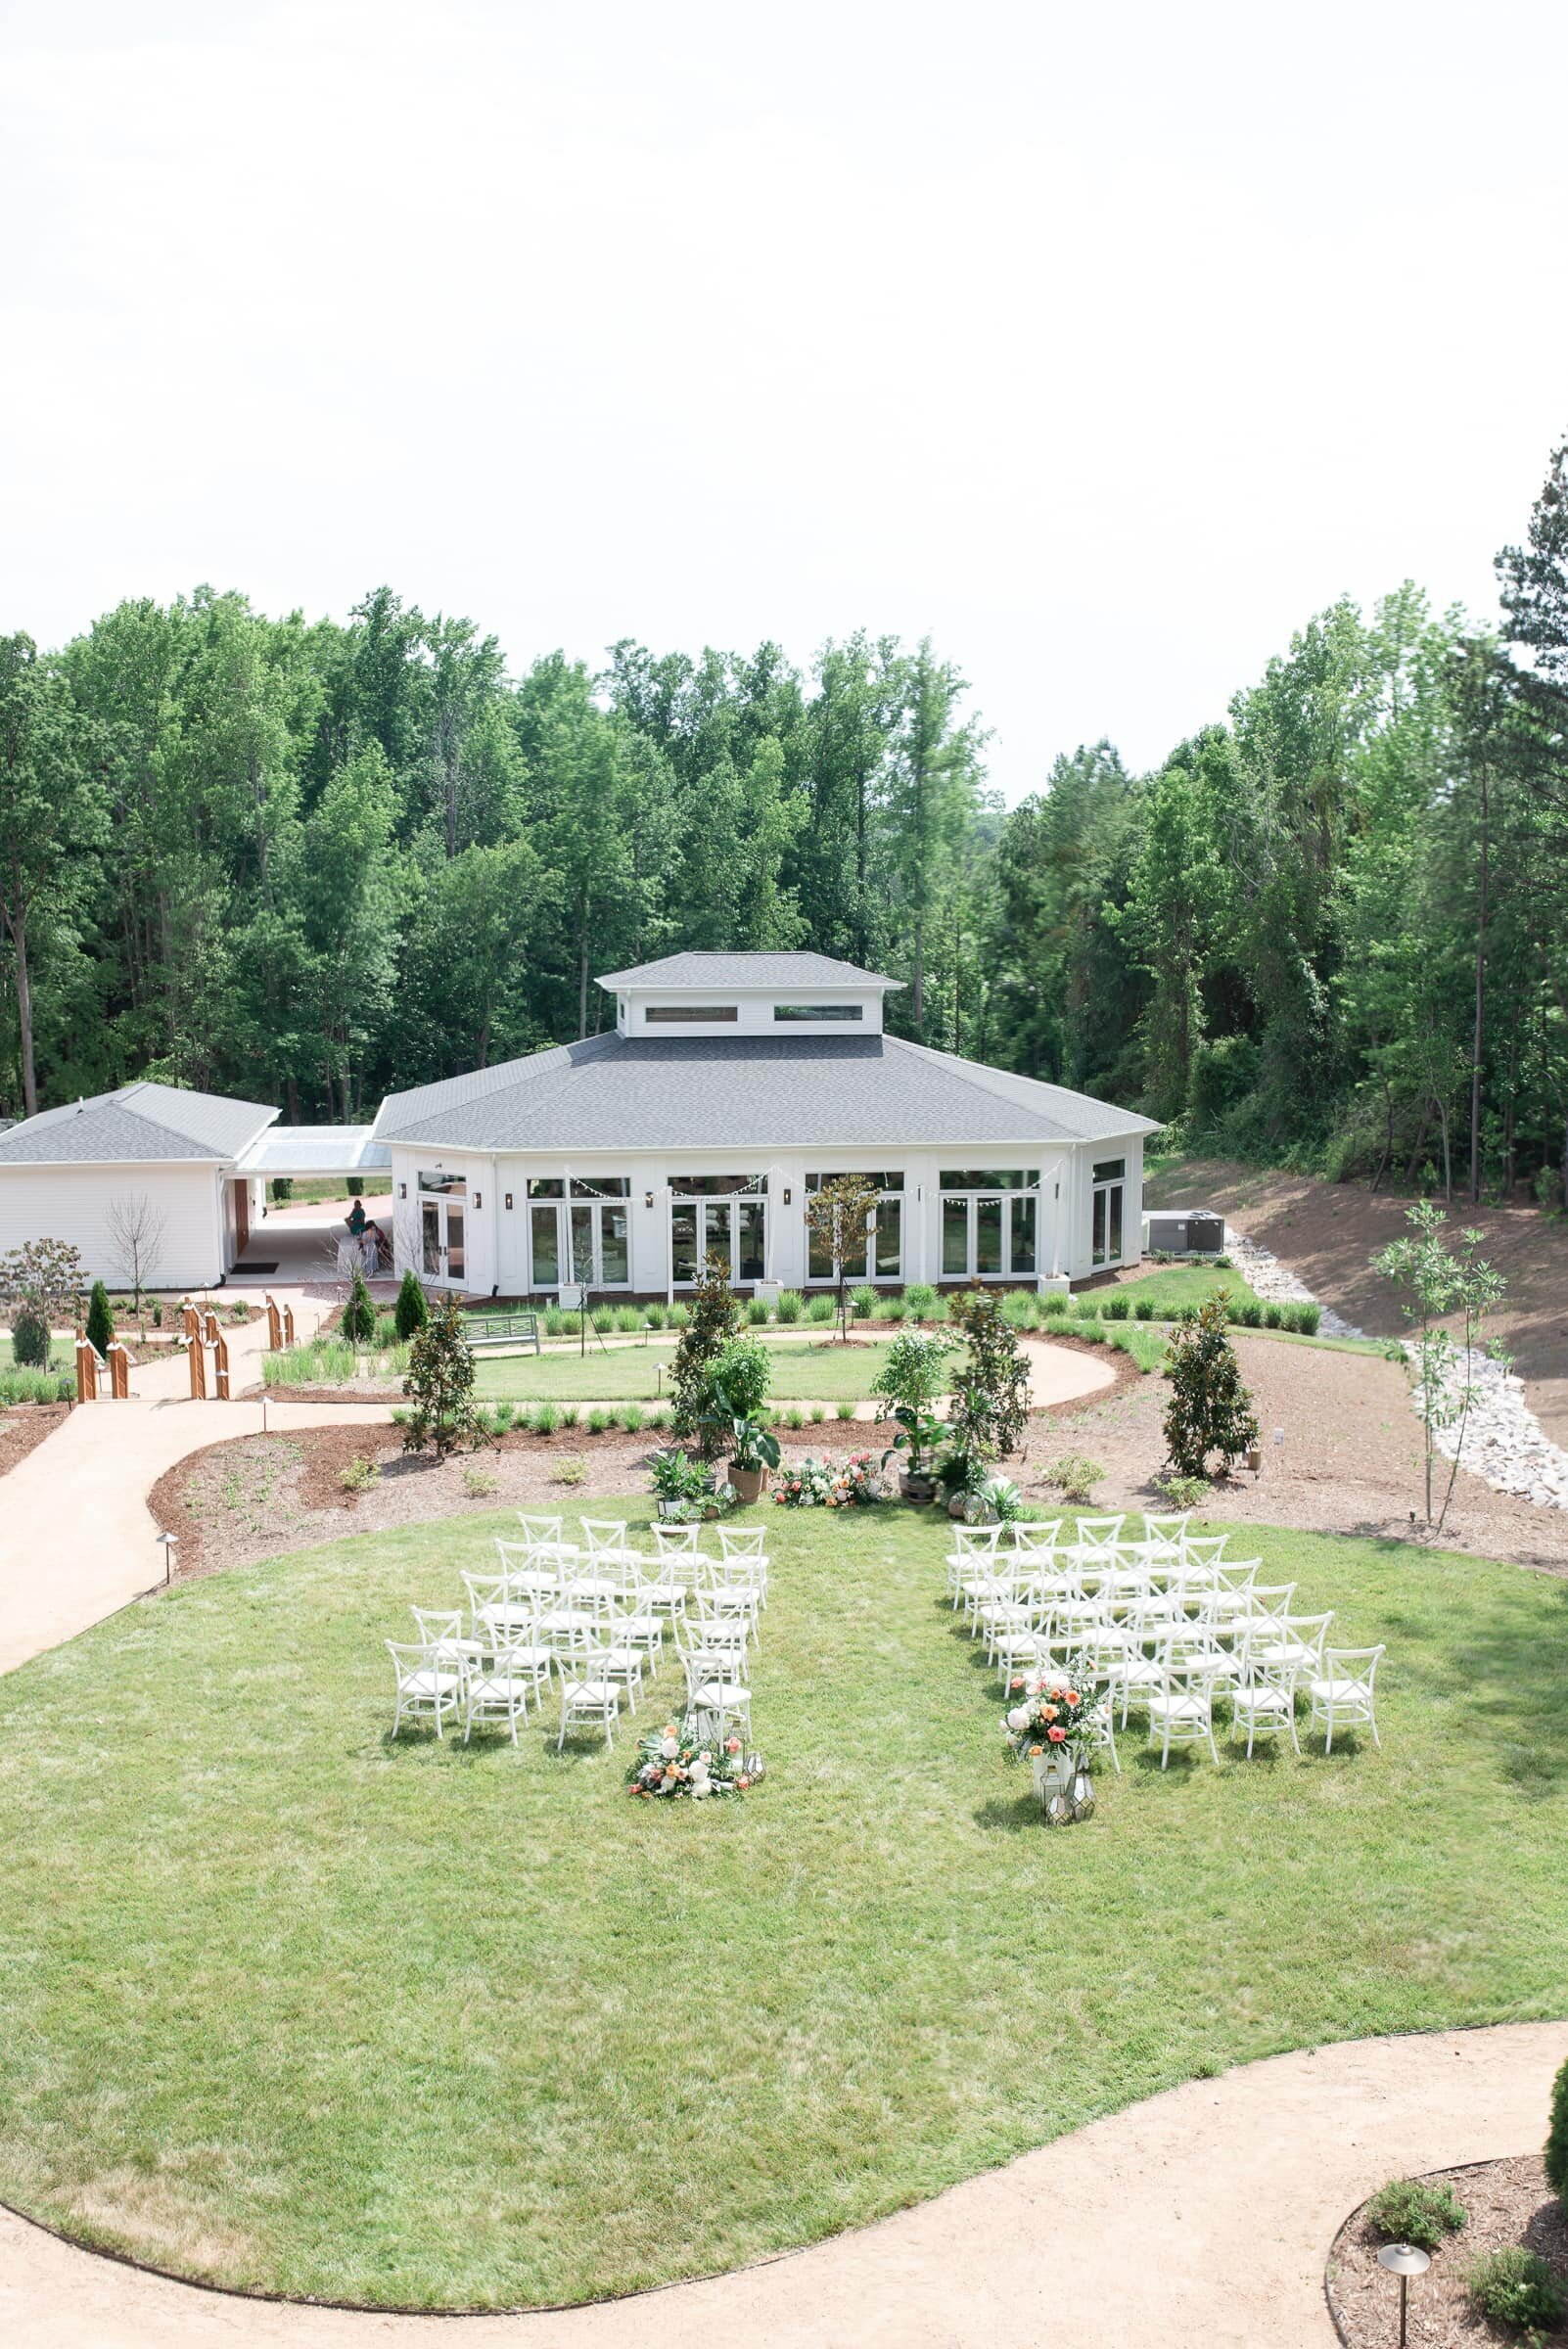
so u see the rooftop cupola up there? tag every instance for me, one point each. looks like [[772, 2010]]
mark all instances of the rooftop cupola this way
[[748, 994]]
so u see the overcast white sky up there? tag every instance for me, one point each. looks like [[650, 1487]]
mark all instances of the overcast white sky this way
[[1105, 345]]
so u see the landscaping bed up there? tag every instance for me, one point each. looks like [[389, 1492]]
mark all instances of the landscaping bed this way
[[1508, 2202], [24, 1427]]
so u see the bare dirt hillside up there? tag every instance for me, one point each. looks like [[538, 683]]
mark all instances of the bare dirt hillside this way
[[1327, 1231]]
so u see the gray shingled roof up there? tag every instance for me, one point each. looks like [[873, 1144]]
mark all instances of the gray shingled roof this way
[[619, 1092], [136, 1124], [747, 970]]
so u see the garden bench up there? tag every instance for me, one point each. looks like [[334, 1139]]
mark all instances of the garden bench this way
[[489, 1333]]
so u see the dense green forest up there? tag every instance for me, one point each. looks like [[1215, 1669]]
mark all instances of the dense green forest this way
[[309, 862]]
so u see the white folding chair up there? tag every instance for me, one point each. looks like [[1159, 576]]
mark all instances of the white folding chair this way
[[717, 1694], [1182, 1707], [538, 1531], [588, 1695], [675, 1541], [1342, 1694], [1263, 1698], [430, 1683], [497, 1685]]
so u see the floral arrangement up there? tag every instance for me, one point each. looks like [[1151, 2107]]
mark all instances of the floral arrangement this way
[[813, 1483], [1051, 1716], [678, 1762]]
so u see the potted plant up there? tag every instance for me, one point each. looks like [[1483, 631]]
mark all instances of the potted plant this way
[[677, 1481], [913, 1378], [754, 1451]]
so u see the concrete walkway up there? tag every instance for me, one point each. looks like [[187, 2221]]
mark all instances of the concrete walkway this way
[[1199, 2220]]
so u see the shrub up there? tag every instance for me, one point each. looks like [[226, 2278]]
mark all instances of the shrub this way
[[1210, 1410], [737, 1381], [355, 1186], [545, 1419], [1075, 1476], [990, 1390], [35, 1386], [628, 1319], [599, 1422], [795, 1416], [1273, 1317], [501, 1418], [1224, 1263], [1055, 1303], [1413, 2210], [570, 1415], [678, 1315], [1086, 1309], [1143, 1308], [567, 1470], [29, 1338], [1557, 2152], [845, 1411], [1307, 1318], [631, 1418], [440, 1385], [791, 1304], [862, 1301], [654, 1316], [158, 1313], [921, 1299], [1248, 1312], [1182, 1492], [656, 1417], [602, 1319], [412, 1309], [359, 1313], [756, 1311], [819, 1414], [100, 1321], [892, 1308], [282, 1190], [712, 1324], [1114, 1309], [820, 1309], [1019, 1309], [1516, 2286], [477, 1482]]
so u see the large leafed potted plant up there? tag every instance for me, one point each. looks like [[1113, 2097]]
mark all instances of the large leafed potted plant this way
[[732, 1408], [754, 1452], [913, 1378]]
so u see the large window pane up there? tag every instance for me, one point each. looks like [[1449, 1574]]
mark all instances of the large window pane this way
[[752, 1256], [583, 1244], [1097, 1236], [1108, 1169], [683, 1241], [430, 1241], [954, 1238], [819, 1256], [889, 1239], [1023, 1234], [443, 1183], [717, 1215], [455, 1267], [547, 1236], [688, 1015], [600, 1187], [704, 1186], [1113, 1239], [987, 1179], [988, 1236], [615, 1246], [818, 1011], [545, 1186]]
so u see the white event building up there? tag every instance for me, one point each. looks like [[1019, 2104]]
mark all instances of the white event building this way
[[729, 1088]]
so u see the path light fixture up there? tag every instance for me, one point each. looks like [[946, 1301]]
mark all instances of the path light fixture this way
[[169, 1544], [1403, 2260]]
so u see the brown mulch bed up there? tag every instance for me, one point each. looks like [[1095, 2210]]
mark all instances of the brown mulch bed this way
[[1350, 1463], [253, 1497], [24, 1427], [1508, 2202]]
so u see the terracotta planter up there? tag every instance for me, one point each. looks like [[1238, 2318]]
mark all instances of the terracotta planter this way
[[913, 1487], [750, 1484]]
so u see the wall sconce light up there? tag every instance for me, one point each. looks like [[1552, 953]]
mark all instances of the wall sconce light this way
[[508, 1202], [402, 1190], [647, 1198], [786, 1194], [478, 1199]]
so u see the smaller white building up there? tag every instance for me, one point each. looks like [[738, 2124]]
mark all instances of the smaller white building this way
[[731, 1087]]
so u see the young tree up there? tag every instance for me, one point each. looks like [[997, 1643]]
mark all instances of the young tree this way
[[358, 1312], [138, 1227], [713, 1321], [839, 1218], [100, 1321], [1436, 1281], [1210, 1410], [411, 1313], [439, 1386], [991, 1388]]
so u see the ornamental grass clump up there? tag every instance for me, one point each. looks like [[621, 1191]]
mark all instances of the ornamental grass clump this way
[[791, 1304]]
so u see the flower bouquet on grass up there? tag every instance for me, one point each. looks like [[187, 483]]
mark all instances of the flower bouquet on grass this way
[[677, 1762], [813, 1483], [1052, 1717]]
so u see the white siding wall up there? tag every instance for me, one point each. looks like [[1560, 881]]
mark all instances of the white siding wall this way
[[73, 1204]]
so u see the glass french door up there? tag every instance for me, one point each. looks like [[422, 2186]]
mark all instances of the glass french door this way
[[587, 1242], [989, 1235], [1105, 1247], [734, 1229], [441, 1249]]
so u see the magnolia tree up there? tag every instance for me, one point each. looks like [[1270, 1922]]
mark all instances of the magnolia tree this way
[[1210, 1410], [1437, 1283], [712, 1322], [990, 1407], [439, 1386], [840, 1218]]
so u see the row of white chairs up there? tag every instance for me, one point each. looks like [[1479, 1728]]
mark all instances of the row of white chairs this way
[[1161, 1618], [593, 1612]]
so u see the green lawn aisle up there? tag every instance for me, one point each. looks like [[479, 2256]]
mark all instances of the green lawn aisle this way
[[813, 1370], [322, 2015]]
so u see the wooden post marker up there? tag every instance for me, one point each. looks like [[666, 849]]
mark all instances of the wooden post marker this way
[[119, 1371], [190, 1322], [210, 1327], [288, 1325], [195, 1353], [86, 1372], [220, 1355], [274, 1327]]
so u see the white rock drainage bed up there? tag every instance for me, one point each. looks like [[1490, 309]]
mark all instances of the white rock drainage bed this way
[[1505, 1442]]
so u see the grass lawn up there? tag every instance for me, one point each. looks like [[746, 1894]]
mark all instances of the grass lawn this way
[[62, 1353], [288, 2006], [1171, 1288], [816, 1370]]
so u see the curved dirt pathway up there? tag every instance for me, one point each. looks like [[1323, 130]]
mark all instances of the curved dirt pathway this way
[[1199, 2220]]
